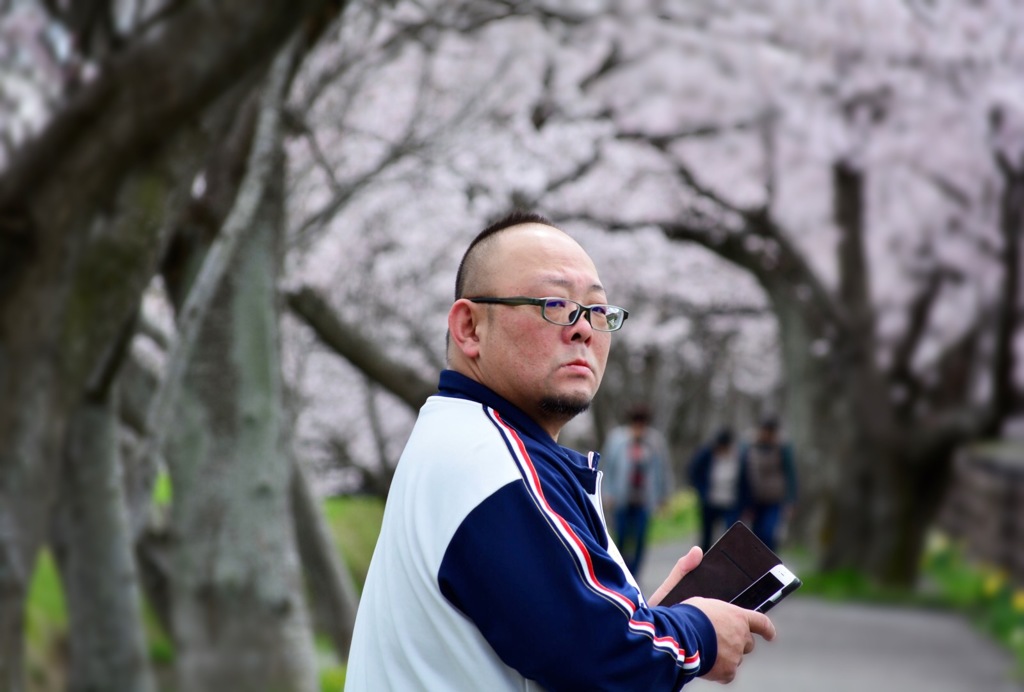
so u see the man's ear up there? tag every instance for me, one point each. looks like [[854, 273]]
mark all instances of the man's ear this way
[[464, 328]]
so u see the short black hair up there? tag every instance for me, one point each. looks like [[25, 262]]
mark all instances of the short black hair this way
[[639, 413], [515, 218], [723, 438]]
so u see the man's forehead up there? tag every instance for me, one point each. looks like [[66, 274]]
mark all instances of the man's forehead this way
[[561, 281]]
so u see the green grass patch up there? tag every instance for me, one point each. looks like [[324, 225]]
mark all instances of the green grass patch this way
[[47, 613], [162, 491], [46, 623], [677, 519], [332, 678], [985, 593], [355, 522], [851, 585]]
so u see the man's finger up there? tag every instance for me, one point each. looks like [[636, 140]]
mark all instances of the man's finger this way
[[760, 624]]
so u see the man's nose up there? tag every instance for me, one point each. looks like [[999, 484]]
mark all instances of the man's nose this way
[[581, 329]]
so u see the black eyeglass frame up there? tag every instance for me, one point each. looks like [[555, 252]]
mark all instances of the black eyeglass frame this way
[[581, 309]]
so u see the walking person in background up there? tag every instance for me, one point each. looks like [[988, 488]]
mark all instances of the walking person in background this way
[[635, 484], [767, 483], [715, 475]]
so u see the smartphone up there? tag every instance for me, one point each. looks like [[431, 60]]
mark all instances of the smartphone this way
[[768, 590], [739, 568]]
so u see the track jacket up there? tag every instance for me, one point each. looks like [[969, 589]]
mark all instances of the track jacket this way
[[494, 569]]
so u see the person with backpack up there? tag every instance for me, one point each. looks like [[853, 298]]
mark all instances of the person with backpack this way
[[767, 482]]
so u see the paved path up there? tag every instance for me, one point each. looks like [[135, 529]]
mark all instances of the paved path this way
[[824, 646]]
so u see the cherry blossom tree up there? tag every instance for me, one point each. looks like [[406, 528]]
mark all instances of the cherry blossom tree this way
[[807, 207], [849, 168]]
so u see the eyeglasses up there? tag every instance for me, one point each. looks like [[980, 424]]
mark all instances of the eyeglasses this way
[[564, 312]]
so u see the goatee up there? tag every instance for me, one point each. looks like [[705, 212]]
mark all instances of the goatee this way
[[563, 407]]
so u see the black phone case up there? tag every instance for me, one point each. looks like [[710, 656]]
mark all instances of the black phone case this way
[[734, 562]]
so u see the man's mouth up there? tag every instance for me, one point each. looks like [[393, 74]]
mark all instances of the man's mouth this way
[[579, 365]]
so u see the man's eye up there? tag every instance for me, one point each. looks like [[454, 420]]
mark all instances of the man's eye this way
[[555, 304]]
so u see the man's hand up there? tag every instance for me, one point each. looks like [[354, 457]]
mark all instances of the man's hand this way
[[685, 564], [735, 628]]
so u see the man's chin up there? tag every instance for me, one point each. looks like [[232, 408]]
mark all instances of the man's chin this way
[[564, 407]]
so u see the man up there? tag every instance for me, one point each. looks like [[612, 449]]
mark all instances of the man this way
[[635, 465], [767, 482], [493, 570]]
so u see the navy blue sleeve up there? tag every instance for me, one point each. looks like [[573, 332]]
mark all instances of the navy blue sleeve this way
[[530, 570]]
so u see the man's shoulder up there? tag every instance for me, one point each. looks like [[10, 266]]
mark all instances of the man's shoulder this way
[[452, 423], [454, 456]]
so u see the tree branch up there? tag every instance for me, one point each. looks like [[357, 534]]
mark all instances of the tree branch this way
[[347, 341], [266, 149], [919, 311], [142, 94]]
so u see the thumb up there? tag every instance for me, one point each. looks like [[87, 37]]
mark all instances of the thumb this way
[[687, 563]]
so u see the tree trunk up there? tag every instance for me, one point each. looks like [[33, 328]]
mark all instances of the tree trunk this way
[[332, 590], [57, 327], [811, 425], [92, 541], [69, 279], [238, 615]]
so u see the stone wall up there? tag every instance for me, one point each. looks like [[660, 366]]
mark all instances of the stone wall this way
[[985, 507]]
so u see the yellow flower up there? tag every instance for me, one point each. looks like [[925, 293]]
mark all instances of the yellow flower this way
[[993, 583], [938, 542], [1018, 601]]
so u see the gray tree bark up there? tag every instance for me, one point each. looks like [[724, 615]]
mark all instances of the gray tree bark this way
[[237, 609], [331, 587], [92, 541], [60, 307]]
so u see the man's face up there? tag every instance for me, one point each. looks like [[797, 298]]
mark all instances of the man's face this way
[[551, 372]]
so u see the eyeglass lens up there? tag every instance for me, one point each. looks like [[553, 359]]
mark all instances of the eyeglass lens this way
[[564, 312]]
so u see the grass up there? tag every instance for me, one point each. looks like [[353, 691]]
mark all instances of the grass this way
[[984, 593], [677, 520], [46, 624], [355, 522]]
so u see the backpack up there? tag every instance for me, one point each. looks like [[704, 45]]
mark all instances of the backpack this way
[[766, 474]]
